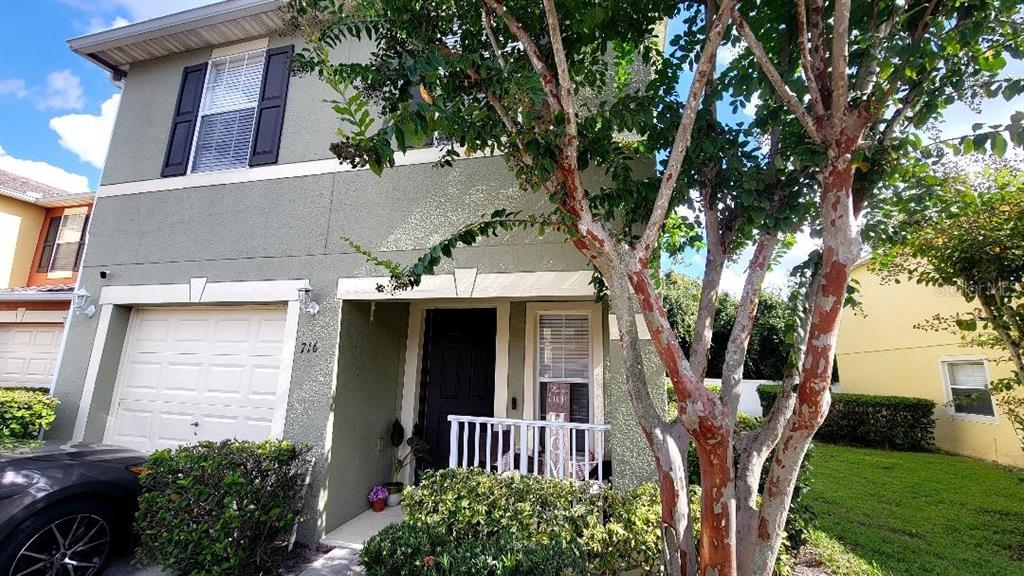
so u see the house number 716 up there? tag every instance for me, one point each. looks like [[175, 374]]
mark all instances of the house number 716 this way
[[308, 347]]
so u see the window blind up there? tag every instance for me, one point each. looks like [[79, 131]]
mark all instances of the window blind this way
[[65, 252], [223, 141], [967, 375], [968, 384], [564, 347], [563, 352], [229, 108]]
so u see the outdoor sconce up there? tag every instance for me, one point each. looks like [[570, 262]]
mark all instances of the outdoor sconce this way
[[306, 302], [80, 303]]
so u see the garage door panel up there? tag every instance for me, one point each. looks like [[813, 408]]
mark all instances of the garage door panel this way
[[154, 425], [28, 353], [199, 373]]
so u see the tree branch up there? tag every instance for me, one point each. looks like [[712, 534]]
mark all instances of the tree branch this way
[[648, 416], [840, 64], [699, 409], [714, 264], [547, 80], [787, 95], [805, 59], [492, 37], [739, 338], [705, 68]]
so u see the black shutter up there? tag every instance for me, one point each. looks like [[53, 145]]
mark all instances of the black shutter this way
[[48, 244], [183, 125], [81, 242], [266, 136]]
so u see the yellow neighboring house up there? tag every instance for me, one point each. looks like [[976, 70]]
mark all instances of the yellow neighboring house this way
[[880, 352]]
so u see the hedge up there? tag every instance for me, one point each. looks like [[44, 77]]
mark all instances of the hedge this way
[[523, 515], [227, 508], [24, 413], [406, 549], [891, 422]]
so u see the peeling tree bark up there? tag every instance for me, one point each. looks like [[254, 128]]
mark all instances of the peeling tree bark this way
[[841, 240], [668, 440]]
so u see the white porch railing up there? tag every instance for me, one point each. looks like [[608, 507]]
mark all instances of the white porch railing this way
[[553, 448]]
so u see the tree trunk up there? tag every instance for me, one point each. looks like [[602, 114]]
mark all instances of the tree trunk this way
[[679, 552], [841, 243]]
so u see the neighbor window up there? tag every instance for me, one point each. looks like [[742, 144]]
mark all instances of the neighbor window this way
[[62, 248], [563, 357], [228, 111], [968, 387]]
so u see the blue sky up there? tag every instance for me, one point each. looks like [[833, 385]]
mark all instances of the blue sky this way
[[57, 109]]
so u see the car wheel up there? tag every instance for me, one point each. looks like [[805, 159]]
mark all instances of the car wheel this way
[[70, 538]]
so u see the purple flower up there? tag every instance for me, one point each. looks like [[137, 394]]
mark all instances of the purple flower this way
[[378, 493]]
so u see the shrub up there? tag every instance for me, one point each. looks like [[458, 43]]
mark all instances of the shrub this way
[[406, 549], [615, 530], [24, 413], [892, 422], [221, 508]]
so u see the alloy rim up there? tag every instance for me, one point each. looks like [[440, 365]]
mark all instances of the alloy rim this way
[[72, 546]]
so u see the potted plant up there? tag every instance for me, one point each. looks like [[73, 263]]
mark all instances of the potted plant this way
[[417, 449], [378, 498]]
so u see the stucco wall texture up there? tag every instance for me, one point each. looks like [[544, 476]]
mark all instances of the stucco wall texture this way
[[881, 352], [345, 396], [19, 229]]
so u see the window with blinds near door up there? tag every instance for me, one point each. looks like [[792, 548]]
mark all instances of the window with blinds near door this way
[[227, 113], [968, 387], [563, 356]]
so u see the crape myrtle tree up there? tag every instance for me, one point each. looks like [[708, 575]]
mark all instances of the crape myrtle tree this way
[[559, 88]]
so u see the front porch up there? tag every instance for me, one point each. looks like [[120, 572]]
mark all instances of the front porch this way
[[518, 379]]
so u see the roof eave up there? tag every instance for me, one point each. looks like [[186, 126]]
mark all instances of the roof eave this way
[[76, 199], [224, 11], [36, 296]]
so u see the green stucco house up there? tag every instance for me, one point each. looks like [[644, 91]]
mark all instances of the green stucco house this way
[[217, 298]]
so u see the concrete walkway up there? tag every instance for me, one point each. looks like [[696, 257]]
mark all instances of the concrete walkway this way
[[348, 540]]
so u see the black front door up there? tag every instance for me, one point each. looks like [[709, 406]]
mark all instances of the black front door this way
[[458, 373]]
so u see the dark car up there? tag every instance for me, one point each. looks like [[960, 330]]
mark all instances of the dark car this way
[[63, 510]]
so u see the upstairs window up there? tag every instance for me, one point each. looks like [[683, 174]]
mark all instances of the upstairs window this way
[[968, 388], [228, 112], [62, 248]]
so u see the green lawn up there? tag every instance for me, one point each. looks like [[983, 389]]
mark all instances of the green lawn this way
[[916, 514]]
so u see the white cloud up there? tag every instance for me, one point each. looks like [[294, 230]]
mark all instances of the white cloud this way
[[128, 11], [63, 92], [750, 108], [44, 172], [98, 24], [726, 54], [88, 135], [13, 87], [735, 274]]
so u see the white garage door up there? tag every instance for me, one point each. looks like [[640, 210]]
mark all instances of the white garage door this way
[[28, 354], [190, 374]]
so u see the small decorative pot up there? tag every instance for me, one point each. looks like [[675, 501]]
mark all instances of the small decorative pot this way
[[378, 505], [394, 493]]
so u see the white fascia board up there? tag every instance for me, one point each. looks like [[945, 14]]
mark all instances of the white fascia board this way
[[36, 297], [83, 199], [171, 23]]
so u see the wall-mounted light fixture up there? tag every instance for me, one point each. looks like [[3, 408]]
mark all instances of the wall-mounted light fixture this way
[[81, 305], [306, 302]]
